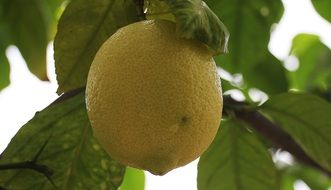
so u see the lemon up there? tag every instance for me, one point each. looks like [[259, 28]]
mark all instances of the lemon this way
[[154, 100]]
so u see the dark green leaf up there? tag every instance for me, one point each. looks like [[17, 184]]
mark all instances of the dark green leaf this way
[[269, 75], [194, 20], [134, 179], [226, 85], [4, 63], [236, 160], [315, 63], [71, 152], [82, 29], [307, 119], [4, 70], [29, 32], [249, 23], [323, 7]]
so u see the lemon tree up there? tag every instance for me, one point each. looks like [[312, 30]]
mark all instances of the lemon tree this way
[[147, 86]]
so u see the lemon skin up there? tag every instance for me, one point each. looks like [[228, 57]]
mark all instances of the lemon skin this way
[[154, 100]]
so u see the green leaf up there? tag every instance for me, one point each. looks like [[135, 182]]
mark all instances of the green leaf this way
[[227, 85], [29, 32], [236, 160], [269, 75], [71, 152], [52, 11], [313, 178], [287, 181], [307, 119], [249, 23], [194, 20], [4, 63], [323, 7], [158, 9], [134, 179], [82, 29], [4, 70], [315, 63]]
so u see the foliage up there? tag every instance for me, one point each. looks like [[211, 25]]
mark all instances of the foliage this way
[[312, 177], [82, 29], [249, 24], [60, 138], [236, 160], [28, 25], [133, 179], [323, 7], [4, 71], [306, 119], [56, 148], [194, 20], [314, 59]]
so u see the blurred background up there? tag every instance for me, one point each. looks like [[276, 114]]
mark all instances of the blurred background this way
[[26, 94]]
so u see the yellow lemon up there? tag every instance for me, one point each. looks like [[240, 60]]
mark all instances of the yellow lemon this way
[[154, 100]]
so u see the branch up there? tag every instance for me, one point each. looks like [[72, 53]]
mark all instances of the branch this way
[[269, 130]]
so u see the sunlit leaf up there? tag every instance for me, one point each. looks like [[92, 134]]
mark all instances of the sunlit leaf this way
[[28, 30], [236, 160], [134, 179], [71, 152], [307, 119], [82, 29], [323, 7], [52, 11], [287, 181], [314, 69]]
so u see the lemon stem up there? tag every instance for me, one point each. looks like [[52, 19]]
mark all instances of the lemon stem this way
[[140, 9]]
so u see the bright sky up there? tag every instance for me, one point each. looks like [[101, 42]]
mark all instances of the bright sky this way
[[26, 94]]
